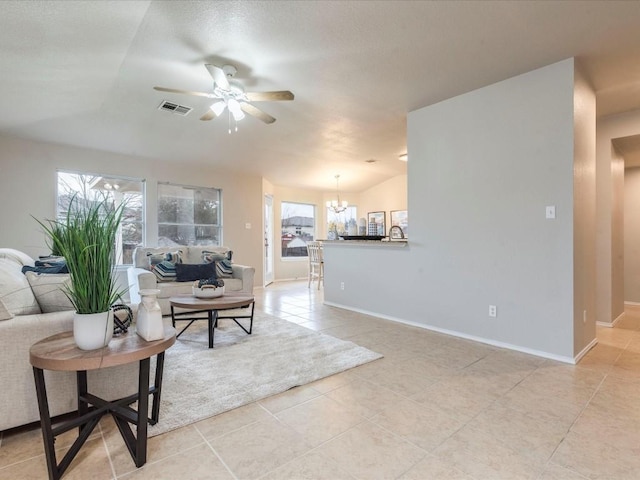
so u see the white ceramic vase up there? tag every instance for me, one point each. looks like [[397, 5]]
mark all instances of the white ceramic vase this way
[[149, 322], [92, 330]]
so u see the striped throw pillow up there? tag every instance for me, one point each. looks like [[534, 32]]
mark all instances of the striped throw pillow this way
[[224, 269]]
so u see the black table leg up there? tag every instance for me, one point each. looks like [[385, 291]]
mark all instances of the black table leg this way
[[236, 317], [45, 423], [136, 444], [83, 406], [143, 413], [157, 389], [212, 317]]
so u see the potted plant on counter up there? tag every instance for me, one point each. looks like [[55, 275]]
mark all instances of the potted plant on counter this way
[[85, 237]]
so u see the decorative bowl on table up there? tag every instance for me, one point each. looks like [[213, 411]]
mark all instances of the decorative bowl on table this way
[[207, 291]]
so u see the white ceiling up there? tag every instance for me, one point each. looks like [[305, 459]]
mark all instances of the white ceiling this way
[[81, 73]]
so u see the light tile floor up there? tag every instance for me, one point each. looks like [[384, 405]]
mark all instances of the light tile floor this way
[[436, 407]]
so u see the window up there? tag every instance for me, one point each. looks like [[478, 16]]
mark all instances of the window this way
[[116, 189], [298, 228], [341, 223], [188, 215]]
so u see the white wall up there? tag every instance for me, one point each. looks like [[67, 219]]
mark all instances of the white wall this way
[[609, 301], [482, 168], [632, 235], [28, 183]]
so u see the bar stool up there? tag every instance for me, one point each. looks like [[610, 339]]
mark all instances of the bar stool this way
[[316, 263]]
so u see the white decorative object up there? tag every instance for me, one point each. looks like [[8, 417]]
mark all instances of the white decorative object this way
[[149, 323], [92, 330], [207, 291]]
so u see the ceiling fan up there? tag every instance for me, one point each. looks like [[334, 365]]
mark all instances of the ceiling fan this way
[[230, 95]]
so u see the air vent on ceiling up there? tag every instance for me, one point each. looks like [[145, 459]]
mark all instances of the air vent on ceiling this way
[[175, 108]]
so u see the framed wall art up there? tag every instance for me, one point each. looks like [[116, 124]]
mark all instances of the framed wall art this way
[[400, 218], [376, 223]]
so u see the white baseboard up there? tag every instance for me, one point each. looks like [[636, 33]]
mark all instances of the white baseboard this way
[[495, 343], [632, 304], [584, 351], [612, 324]]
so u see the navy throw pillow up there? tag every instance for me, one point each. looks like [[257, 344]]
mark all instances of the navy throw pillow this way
[[187, 272]]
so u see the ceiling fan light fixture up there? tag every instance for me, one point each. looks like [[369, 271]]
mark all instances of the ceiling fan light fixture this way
[[234, 108], [218, 107]]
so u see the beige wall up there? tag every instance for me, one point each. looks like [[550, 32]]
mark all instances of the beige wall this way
[[617, 235], [28, 183], [386, 196], [632, 235]]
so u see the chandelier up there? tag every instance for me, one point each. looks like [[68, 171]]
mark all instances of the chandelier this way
[[337, 206]]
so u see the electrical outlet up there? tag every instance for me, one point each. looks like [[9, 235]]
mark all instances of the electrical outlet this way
[[341, 285], [493, 311]]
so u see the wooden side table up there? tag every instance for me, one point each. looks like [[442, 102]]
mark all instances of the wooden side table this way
[[211, 306], [59, 352]]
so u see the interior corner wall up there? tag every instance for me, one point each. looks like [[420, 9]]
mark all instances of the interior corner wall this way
[[632, 235], [584, 215], [609, 303], [28, 188]]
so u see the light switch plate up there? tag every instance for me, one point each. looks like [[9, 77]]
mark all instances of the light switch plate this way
[[551, 211]]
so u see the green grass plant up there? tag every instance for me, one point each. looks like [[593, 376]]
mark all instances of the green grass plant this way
[[85, 237]]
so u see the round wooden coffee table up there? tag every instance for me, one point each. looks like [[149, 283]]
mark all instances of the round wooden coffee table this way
[[59, 352], [211, 306]]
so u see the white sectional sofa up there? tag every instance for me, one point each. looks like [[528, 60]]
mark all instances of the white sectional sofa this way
[[28, 315], [141, 276]]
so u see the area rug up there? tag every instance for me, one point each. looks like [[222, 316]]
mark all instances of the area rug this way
[[200, 382]]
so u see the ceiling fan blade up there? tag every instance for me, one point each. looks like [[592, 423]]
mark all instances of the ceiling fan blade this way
[[269, 96], [210, 115], [256, 112], [185, 92], [218, 76]]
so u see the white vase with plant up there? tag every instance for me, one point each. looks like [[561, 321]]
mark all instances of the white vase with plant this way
[[85, 237]]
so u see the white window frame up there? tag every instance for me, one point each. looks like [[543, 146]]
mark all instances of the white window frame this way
[[192, 224], [313, 233], [353, 214], [109, 184]]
